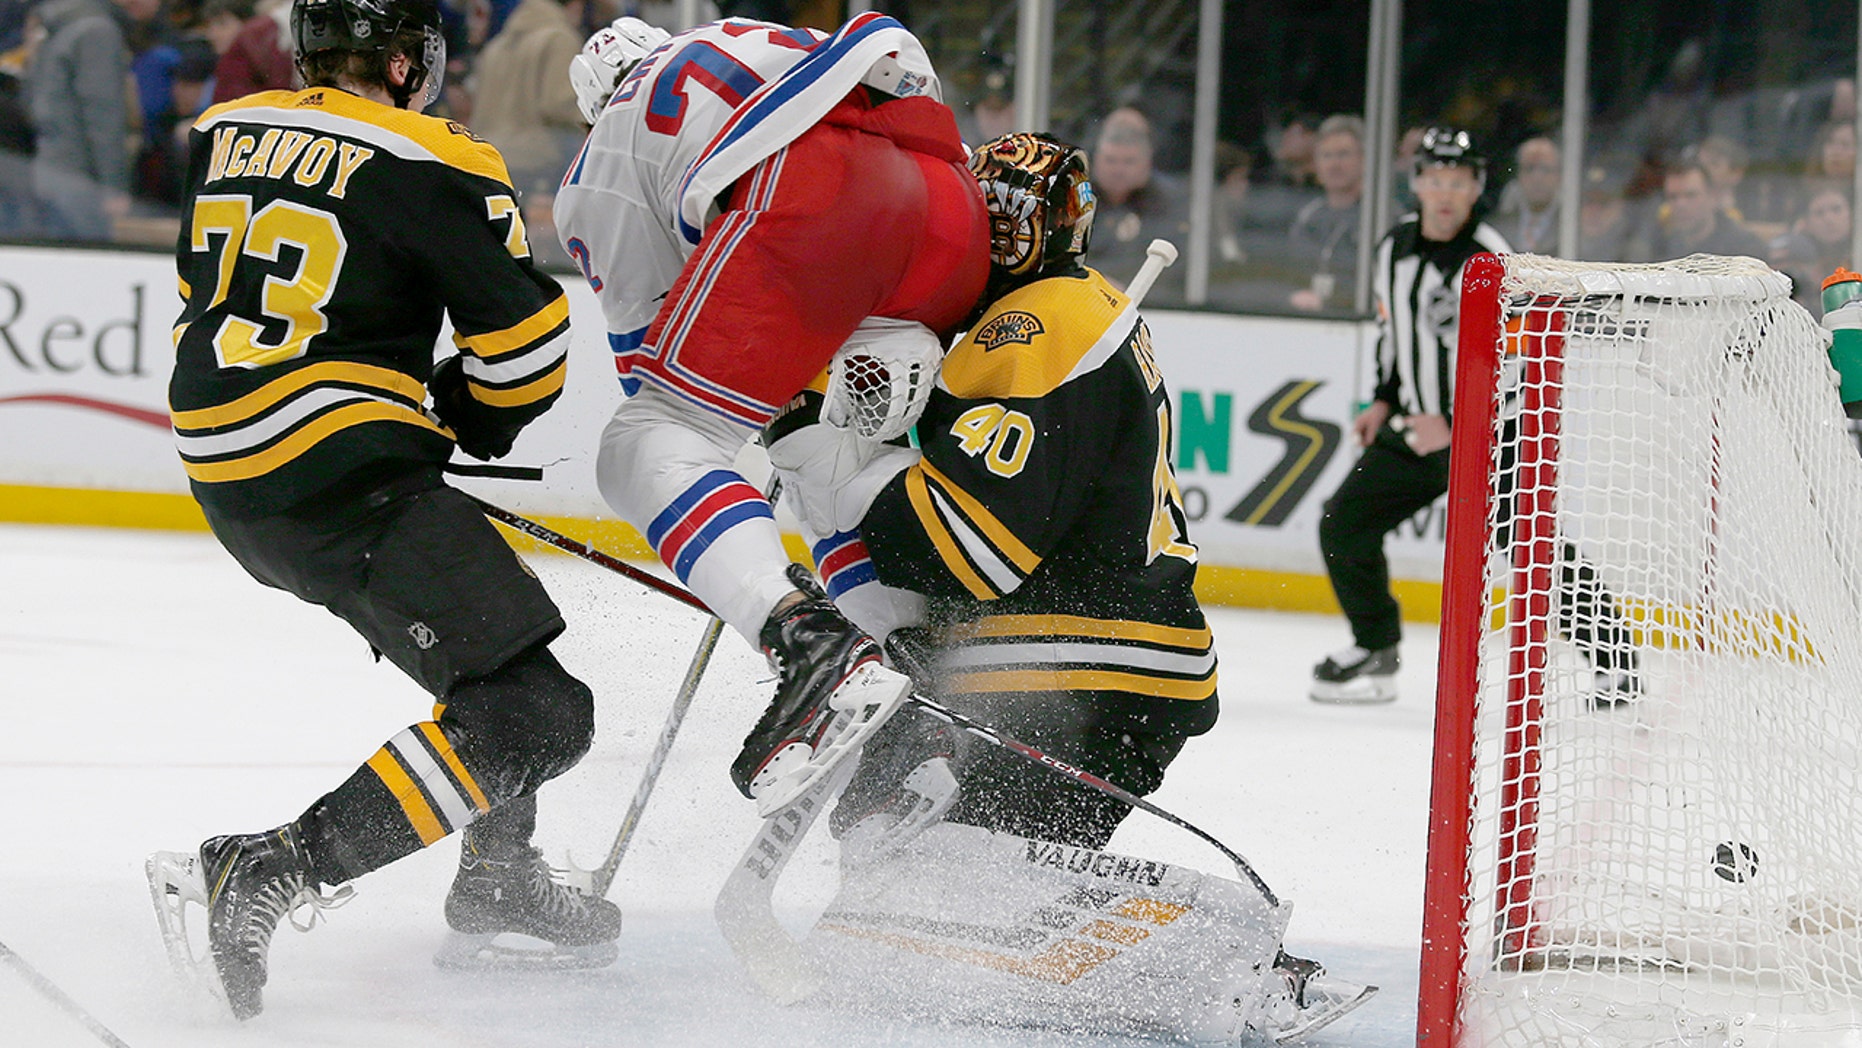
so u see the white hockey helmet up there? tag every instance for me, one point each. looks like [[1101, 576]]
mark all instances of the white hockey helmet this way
[[609, 55]]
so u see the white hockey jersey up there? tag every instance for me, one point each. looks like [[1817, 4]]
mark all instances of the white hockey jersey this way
[[698, 113]]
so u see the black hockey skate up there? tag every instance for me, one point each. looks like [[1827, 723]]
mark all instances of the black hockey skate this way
[[499, 895], [1354, 676], [832, 694], [247, 883]]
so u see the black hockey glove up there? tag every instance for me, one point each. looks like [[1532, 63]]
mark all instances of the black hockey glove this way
[[482, 431]]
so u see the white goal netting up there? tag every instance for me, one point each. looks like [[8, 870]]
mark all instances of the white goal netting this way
[[1666, 836]]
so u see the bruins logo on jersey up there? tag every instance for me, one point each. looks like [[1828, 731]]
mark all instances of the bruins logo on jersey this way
[[1008, 328], [458, 128]]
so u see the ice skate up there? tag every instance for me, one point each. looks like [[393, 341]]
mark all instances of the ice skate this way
[[245, 884], [507, 909], [1311, 999], [1354, 676], [833, 693]]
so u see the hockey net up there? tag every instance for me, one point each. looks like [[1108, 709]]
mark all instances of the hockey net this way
[[1646, 822]]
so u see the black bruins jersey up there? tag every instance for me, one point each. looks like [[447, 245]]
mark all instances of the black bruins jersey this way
[[323, 238], [1045, 521]]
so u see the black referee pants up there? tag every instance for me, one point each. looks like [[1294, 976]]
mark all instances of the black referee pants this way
[[1388, 485]]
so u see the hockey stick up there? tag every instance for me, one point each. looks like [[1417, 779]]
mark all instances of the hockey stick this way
[[602, 877], [1157, 257], [50, 991], [548, 536]]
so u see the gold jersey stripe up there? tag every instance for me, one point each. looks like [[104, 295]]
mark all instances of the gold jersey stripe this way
[[1058, 321], [271, 393], [989, 681], [1049, 626], [547, 384], [1062, 963], [437, 739], [256, 465], [419, 814], [941, 537], [1024, 559], [517, 336]]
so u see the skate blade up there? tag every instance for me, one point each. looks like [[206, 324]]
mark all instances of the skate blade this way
[[1364, 691], [1334, 1004], [869, 697], [510, 951], [175, 883]]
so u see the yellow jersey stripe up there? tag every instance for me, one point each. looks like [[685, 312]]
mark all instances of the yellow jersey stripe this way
[[941, 537], [1049, 626], [519, 335], [437, 739], [248, 466], [549, 384], [419, 814], [1024, 559], [988, 681], [268, 395]]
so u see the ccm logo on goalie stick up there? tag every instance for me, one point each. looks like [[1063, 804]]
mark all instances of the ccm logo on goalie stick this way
[[778, 836]]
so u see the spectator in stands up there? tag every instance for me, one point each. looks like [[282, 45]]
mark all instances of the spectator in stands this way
[[1834, 156], [19, 207], [992, 114], [523, 103], [1725, 161], [1607, 225], [1324, 237], [1136, 204], [259, 57], [1528, 212], [1233, 168], [80, 119], [1693, 223], [1286, 183], [1819, 242]]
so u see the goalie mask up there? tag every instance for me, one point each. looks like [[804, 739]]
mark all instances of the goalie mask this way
[[606, 58], [1040, 202], [372, 25]]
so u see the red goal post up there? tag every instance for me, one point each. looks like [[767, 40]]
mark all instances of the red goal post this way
[[1651, 459]]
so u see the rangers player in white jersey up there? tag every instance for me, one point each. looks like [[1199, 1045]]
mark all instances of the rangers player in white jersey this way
[[750, 197]]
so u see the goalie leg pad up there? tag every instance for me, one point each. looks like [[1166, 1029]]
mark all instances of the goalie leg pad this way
[[989, 927]]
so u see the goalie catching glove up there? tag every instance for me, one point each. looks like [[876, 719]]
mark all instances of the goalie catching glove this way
[[830, 445]]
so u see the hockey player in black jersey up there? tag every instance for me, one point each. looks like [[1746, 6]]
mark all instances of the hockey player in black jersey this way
[[1042, 524], [325, 235], [1029, 564]]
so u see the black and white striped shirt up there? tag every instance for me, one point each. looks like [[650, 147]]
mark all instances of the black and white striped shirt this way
[[1417, 285]]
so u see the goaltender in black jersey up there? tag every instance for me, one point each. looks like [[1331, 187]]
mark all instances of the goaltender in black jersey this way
[[320, 243], [1039, 522]]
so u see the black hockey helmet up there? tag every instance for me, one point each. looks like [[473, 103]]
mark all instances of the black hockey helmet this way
[[373, 25], [1040, 202], [1444, 146]]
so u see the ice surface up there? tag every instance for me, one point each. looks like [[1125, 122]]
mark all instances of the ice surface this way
[[151, 694]]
